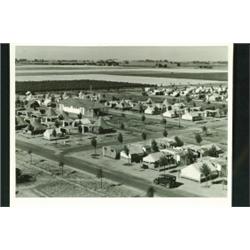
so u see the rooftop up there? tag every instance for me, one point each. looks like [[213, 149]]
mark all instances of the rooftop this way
[[78, 103]]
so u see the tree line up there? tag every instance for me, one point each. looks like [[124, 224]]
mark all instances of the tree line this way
[[44, 86]]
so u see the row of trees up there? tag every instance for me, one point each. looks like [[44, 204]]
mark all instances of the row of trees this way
[[42, 86]]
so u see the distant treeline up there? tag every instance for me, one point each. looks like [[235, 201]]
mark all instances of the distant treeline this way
[[43, 86]]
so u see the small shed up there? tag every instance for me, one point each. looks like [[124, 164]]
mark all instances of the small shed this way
[[101, 127]]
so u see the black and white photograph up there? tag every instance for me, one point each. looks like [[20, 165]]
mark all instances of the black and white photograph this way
[[121, 121], [124, 124]]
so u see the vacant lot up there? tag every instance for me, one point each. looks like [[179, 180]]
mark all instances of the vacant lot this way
[[195, 74], [50, 182]]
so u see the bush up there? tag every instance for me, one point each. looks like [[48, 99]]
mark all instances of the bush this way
[[198, 138], [122, 126], [154, 146], [178, 142]]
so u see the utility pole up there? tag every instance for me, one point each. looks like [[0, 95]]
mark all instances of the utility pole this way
[[179, 112], [179, 118]]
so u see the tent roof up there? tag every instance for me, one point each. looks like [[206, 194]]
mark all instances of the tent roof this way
[[117, 148], [101, 123], [78, 103], [153, 157], [198, 165], [165, 102], [135, 149], [51, 112], [85, 121], [209, 146]]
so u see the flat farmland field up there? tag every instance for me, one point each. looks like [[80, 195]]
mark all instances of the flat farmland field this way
[[163, 76], [201, 74]]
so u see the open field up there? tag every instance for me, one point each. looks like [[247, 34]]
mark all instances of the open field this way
[[51, 183], [202, 74], [165, 76], [136, 79], [94, 68]]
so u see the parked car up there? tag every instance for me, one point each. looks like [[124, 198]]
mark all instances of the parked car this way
[[166, 180]]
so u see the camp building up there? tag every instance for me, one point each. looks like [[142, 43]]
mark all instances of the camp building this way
[[81, 106]]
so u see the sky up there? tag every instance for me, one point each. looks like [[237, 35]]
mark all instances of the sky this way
[[172, 53]]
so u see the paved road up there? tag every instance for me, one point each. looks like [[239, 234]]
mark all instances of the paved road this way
[[113, 175]]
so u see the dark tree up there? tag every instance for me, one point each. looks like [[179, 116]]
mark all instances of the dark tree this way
[[31, 128], [178, 142], [126, 151], [150, 192], [79, 116], [164, 122], [80, 129], [143, 118], [122, 126], [99, 174], [57, 123], [165, 133], [120, 138], [198, 138], [141, 109], [188, 99], [154, 146], [54, 133], [204, 130], [190, 157], [94, 143], [61, 165], [163, 161], [42, 111], [144, 136], [205, 171], [212, 152], [30, 153]]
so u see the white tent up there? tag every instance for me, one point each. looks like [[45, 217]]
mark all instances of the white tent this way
[[191, 172], [194, 172], [152, 158]]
